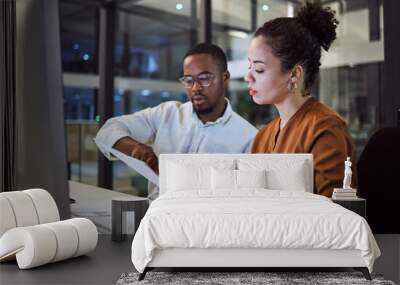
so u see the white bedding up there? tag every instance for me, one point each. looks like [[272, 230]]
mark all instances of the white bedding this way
[[252, 218]]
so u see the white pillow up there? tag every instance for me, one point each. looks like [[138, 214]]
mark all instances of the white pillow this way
[[281, 175], [291, 180], [186, 175], [237, 179], [251, 178], [223, 179], [183, 178]]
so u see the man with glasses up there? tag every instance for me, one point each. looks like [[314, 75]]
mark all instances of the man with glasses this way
[[205, 124]]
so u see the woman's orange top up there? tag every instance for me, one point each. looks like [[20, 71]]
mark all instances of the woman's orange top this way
[[316, 129]]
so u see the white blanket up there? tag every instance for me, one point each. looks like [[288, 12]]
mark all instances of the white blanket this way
[[250, 219]]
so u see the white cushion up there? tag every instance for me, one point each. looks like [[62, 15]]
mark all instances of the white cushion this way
[[40, 244], [281, 175], [32, 246], [183, 178], [67, 239], [23, 208], [251, 178], [45, 205], [292, 179], [223, 179], [226, 179], [193, 175], [7, 218], [279, 162], [87, 233], [26, 208]]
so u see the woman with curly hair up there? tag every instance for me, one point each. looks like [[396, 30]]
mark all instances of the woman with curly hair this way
[[284, 59]]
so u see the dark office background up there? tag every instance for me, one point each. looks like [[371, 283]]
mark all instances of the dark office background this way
[[143, 53]]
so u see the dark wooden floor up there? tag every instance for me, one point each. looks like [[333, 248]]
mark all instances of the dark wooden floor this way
[[102, 266], [111, 259]]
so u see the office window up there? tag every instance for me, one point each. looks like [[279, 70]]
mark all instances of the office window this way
[[78, 27], [78, 24], [151, 39]]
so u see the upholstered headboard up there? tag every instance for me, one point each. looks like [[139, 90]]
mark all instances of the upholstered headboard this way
[[284, 166]]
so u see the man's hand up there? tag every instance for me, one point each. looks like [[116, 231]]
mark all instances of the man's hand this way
[[138, 150], [146, 154]]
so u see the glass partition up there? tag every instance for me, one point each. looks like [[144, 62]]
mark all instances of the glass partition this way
[[351, 71], [82, 151]]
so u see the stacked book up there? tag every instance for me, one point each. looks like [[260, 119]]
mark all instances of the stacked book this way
[[344, 194]]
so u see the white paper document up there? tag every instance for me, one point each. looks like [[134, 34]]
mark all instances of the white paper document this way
[[136, 164]]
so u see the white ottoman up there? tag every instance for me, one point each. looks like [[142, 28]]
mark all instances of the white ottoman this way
[[31, 232]]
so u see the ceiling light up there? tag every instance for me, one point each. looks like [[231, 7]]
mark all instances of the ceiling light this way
[[265, 7], [290, 10], [179, 6], [238, 34], [145, 92]]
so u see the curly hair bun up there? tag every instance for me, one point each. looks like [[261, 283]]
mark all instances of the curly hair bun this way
[[320, 21]]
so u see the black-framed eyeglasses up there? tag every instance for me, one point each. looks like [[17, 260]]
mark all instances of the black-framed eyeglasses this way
[[203, 79]]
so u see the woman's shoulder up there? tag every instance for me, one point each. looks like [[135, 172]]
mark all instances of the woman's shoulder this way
[[322, 115]]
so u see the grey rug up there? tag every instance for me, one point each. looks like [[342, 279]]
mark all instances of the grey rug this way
[[270, 278]]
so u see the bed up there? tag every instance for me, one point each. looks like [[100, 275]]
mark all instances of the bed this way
[[246, 211]]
